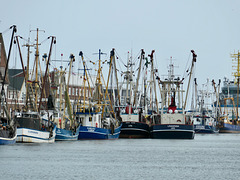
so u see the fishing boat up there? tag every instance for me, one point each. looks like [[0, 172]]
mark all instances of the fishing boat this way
[[8, 128], [135, 121], [96, 116], [205, 124], [62, 115], [31, 126], [173, 123], [229, 123], [65, 130], [229, 101], [204, 118]]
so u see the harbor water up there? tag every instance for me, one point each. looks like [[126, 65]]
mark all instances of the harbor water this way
[[213, 156]]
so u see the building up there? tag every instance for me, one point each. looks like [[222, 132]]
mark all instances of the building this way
[[3, 62]]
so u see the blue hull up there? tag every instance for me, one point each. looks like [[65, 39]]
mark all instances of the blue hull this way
[[4, 141], [229, 128], [134, 130], [66, 135], [205, 129], [88, 132], [172, 131]]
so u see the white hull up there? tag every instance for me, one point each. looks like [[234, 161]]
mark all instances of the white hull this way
[[26, 135]]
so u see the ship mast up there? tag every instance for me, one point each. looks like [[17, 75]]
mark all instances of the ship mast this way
[[46, 72], [2, 93], [85, 78], [191, 71], [36, 85], [153, 79], [138, 77], [236, 57]]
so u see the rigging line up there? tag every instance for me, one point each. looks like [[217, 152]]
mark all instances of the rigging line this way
[[137, 57], [185, 74], [119, 58], [89, 75], [44, 40], [5, 31]]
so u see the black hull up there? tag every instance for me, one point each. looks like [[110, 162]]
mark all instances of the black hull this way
[[134, 130], [172, 132]]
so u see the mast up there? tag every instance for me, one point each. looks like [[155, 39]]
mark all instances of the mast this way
[[36, 85], [46, 72], [85, 78], [9, 53], [112, 65], [99, 82], [115, 69], [27, 72], [131, 79], [153, 79], [67, 99], [191, 71], [2, 94], [138, 77], [237, 75]]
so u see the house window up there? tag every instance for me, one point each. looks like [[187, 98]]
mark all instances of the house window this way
[[73, 91], [80, 92], [76, 92], [69, 91]]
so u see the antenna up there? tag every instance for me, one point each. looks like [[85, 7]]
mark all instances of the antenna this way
[[100, 53]]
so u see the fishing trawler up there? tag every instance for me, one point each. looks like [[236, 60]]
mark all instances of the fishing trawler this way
[[96, 116], [8, 128], [229, 101], [135, 115], [174, 123], [67, 127], [203, 110], [204, 123], [31, 126]]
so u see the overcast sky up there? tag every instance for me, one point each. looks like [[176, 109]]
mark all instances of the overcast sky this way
[[170, 27]]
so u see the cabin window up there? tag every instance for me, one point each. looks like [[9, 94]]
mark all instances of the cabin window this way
[[55, 115], [81, 120], [90, 119], [26, 115], [34, 116], [80, 92]]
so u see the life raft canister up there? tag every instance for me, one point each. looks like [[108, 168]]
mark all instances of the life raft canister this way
[[60, 122]]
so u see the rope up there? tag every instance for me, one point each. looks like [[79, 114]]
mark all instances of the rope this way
[[5, 31], [185, 73]]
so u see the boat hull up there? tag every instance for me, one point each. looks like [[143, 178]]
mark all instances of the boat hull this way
[[172, 131], [66, 135], [229, 128], [205, 129], [5, 140], [25, 135], [88, 132], [132, 129]]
